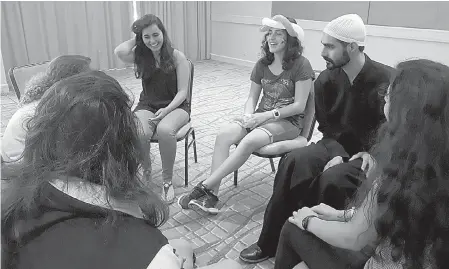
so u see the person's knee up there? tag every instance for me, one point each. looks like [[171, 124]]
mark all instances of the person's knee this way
[[334, 175], [165, 130], [227, 135]]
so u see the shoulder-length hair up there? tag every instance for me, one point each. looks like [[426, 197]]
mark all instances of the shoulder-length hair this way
[[83, 128], [59, 68], [412, 155], [144, 61], [293, 50]]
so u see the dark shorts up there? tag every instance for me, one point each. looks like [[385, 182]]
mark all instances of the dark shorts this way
[[153, 109]]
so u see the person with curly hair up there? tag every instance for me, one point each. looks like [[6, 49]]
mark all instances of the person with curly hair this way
[[61, 67], [79, 202], [163, 107], [403, 206], [284, 77], [348, 111]]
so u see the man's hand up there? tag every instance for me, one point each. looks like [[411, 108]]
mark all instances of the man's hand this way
[[336, 160]]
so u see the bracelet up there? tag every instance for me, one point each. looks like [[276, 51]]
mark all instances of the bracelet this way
[[305, 221]]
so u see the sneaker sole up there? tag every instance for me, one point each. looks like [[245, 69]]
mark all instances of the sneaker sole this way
[[253, 261], [179, 202], [197, 207]]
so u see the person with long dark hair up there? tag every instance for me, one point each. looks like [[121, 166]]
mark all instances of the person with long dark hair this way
[[348, 111], [402, 208], [163, 107], [284, 77], [59, 68], [79, 202]]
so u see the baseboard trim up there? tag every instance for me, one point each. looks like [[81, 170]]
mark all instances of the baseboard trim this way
[[231, 60]]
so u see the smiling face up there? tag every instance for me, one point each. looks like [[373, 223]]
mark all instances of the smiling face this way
[[153, 38], [276, 39], [334, 52]]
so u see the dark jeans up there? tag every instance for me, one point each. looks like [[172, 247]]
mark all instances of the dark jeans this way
[[300, 182], [296, 245]]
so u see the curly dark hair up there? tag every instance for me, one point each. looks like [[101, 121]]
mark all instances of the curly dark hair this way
[[144, 61], [412, 174], [59, 68], [84, 128], [293, 50]]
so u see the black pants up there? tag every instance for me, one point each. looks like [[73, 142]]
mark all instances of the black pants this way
[[300, 181], [296, 245]]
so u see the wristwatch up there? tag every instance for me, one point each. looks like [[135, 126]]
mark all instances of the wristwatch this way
[[305, 221], [276, 114]]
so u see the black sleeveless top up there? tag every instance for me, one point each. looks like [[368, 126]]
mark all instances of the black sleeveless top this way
[[159, 90]]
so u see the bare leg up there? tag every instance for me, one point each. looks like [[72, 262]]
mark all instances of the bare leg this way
[[229, 135], [250, 143], [146, 131]]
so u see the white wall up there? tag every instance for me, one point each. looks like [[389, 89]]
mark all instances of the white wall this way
[[235, 30], [236, 37]]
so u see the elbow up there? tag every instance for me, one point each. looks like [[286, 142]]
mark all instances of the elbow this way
[[299, 108]]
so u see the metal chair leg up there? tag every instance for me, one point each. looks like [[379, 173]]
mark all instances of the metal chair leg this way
[[273, 169], [194, 146], [235, 177], [186, 162]]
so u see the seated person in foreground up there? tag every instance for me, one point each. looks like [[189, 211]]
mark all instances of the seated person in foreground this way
[[79, 203], [348, 110], [285, 76], [405, 200], [13, 141]]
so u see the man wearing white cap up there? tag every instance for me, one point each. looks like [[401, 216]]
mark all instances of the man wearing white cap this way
[[348, 110]]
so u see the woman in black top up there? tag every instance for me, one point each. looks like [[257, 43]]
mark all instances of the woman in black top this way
[[163, 107]]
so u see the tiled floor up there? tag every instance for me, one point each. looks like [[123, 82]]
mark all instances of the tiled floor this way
[[219, 92]]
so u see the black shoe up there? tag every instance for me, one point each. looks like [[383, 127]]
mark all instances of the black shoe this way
[[253, 254], [197, 192]]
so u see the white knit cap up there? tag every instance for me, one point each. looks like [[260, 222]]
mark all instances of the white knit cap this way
[[347, 28]]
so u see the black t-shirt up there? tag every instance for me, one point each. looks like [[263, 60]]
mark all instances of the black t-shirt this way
[[351, 114], [71, 234]]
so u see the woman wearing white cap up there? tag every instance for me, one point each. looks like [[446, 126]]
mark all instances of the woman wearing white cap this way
[[285, 76]]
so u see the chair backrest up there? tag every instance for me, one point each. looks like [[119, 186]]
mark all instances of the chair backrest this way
[[20, 75], [190, 83], [309, 115]]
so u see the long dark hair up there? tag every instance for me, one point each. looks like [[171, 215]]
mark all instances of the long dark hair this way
[[83, 128], [293, 50], [59, 68], [412, 175], [144, 61]]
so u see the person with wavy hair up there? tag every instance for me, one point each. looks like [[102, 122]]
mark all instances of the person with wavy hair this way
[[163, 107], [79, 202], [284, 77], [348, 111], [403, 206], [59, 68]]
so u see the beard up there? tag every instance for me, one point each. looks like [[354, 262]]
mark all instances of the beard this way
[[342, 61]]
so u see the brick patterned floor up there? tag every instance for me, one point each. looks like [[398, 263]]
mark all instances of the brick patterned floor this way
[[219, 92]]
